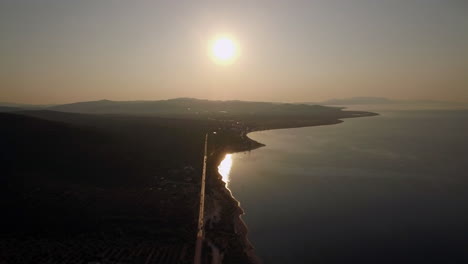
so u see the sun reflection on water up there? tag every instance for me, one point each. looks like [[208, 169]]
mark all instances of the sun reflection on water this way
[[224, 168]]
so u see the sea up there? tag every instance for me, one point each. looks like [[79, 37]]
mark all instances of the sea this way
[[392, 188]]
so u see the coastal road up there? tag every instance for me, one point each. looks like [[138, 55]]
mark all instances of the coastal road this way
[[201, 213]]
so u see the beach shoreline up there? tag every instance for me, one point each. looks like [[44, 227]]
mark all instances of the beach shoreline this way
[[229, 203]]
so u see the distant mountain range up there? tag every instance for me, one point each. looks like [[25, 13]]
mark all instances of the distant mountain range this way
[[382, 101], [199, 107], [359, 101], [185, 106], [9, 109], [24, 106]]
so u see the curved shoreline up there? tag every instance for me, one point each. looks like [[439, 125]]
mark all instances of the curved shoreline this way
[[240, 227]]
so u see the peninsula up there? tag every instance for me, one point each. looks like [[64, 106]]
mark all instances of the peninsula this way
[[119, 182]]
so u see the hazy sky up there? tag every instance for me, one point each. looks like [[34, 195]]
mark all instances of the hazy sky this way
[[59, 51]]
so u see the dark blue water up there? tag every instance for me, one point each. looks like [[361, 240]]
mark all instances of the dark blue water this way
[[385, 189]]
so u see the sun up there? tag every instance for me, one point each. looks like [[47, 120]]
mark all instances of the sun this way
[[224, 50]]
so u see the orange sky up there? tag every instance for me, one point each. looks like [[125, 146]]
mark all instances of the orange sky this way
[[66, 51]]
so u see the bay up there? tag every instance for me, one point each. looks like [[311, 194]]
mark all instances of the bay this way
[[384, 189]]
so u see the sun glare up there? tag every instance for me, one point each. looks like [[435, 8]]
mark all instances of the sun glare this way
[[224, 50], [225, 168]]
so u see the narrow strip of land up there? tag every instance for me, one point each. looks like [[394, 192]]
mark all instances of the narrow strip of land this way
[[201, 219]]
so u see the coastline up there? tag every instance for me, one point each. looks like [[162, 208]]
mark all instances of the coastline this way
[[219, 188], [123, 217]]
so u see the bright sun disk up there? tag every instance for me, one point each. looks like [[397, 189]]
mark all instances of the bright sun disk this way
[[224, 50]]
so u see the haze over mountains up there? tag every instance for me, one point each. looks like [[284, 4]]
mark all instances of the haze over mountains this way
[[359, 101], [197, 107], [9, 109], [185, 107], [384, 104], [364, 100]]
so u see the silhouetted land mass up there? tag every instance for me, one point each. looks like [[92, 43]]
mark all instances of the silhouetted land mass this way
[[359, 101], [385, 103], [121, 185], [188, 107], [9, 109]]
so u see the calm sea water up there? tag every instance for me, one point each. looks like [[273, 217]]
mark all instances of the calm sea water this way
[[385, 189]]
